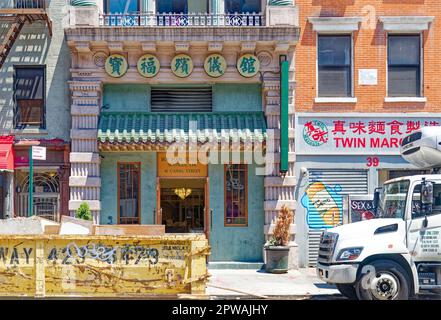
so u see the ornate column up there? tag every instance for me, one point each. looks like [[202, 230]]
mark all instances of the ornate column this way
[[279, 189], [85, 180]]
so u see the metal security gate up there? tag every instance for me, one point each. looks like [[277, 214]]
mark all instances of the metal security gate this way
[[326, 191]]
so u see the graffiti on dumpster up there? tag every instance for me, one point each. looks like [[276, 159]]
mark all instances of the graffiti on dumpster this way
[[74, 253], [139, 253], [15, 256], [324, 205], [128, 254]]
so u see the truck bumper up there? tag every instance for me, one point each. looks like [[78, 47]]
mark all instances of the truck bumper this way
[[343, 273]]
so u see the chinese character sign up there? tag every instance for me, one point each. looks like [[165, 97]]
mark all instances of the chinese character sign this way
[[356, 134], [215, 65], [248, 65], [182, 65], [148, 66], [116, 65]]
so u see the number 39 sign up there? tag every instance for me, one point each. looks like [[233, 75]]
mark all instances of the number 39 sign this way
[[372, 162]]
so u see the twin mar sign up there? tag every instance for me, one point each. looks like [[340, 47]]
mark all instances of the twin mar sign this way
[[357, 134]]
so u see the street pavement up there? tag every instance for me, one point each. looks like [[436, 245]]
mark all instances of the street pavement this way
[[243, 283], [302, 284]]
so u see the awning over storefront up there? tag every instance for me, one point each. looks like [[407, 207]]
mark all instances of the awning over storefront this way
[[166, 128], [6, 153]]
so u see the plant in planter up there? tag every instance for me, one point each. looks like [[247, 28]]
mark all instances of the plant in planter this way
[[276, 249], [83, 212]]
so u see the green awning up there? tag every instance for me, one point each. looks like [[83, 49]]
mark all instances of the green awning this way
[[126, 127]]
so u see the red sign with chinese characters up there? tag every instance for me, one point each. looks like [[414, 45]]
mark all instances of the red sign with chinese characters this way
[[356, 134]]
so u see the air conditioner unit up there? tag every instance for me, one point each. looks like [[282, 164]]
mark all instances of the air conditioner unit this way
[[423, 148]]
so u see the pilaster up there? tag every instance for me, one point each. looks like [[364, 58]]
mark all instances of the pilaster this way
[[85, 180]]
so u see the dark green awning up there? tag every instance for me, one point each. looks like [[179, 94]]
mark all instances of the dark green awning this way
[[126, 127]]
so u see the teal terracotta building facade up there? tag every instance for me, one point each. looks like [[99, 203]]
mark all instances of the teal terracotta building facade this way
[[173, 122]]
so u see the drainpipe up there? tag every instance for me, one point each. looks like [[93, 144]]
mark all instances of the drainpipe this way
[[284, 91]]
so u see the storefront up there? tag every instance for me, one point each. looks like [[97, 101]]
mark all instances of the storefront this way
[[50, 179], [6, 176], [341, 159], [211, 190]]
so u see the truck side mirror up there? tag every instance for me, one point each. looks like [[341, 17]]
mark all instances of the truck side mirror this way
[[426, 199], [376, 200], [427, 193]]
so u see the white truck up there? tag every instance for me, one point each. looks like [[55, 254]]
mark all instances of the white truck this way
[[398, 254]]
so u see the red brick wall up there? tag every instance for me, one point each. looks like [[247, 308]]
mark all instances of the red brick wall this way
[[370, 52]]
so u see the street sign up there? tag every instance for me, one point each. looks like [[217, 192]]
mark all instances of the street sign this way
[[38, 153]]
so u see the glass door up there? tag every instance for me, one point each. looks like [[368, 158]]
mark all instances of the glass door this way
[[182, 205]]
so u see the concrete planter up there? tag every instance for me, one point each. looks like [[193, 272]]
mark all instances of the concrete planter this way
[[282, 16], [276, 259]]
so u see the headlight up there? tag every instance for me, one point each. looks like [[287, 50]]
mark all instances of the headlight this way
[[349, 254]]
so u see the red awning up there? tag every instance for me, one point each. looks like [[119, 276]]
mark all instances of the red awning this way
[[6, 153]]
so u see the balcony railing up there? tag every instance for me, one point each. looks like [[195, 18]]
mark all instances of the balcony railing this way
[[181, 20]]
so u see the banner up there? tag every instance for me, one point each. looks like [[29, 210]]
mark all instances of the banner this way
[[357, 134]]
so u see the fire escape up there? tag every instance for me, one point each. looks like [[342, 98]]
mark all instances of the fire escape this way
[[18, 13]]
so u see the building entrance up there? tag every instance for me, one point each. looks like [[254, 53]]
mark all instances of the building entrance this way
[[183, 205]]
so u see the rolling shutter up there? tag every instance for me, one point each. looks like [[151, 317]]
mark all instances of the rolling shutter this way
[[351, 182], [182, 99]]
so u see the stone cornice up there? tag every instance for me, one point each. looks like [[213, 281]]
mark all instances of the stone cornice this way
[[196, 34]]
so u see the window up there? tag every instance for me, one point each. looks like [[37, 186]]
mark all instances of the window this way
[[29, 4], [242, 6], [129, 177], [121, 6], [404, 66], [172, 6], [393, 199], [29, 94], [236, 195], [416, 201], [334, 66], [181, 99]]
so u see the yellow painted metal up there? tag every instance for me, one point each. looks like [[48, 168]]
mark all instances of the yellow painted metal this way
[[103, 266]]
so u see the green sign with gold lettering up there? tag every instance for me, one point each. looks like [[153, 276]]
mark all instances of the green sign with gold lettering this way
[[182, 65], [248, 65], [215, 65], [148, 66], [116, 65]]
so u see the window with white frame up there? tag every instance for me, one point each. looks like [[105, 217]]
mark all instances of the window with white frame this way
[[334, 65], [404, 65]]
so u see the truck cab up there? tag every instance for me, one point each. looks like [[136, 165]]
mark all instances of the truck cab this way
[[398, 254]]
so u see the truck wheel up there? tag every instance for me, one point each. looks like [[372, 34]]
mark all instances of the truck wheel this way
[[390, 282], [348, 290]]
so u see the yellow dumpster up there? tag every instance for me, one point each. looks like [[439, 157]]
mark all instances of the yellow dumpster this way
[[102, 266]]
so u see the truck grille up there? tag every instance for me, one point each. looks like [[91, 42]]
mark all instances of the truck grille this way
[[328, 241]]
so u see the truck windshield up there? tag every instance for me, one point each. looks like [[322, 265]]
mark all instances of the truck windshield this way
[[392, 202]]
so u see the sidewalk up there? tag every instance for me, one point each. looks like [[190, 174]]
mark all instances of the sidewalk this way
[[295, 283]]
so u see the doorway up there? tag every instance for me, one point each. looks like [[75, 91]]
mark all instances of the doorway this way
[[182, 204]]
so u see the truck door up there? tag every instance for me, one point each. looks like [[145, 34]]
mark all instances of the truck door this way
[[424, 243]]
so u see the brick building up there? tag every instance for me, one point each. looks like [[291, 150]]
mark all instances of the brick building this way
[[34, 107], [367, 73]]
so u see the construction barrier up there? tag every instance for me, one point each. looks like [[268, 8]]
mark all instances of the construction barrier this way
[[102, 266]]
